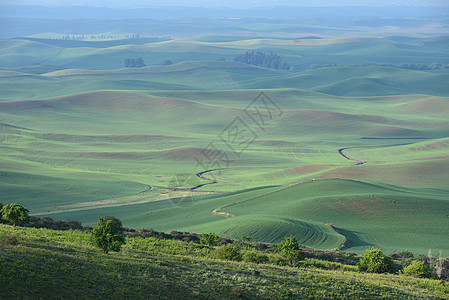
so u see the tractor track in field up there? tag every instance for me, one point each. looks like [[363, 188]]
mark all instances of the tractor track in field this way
[[200, 175], [359, 162]]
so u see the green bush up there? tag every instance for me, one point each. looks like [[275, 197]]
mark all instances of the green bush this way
[[229, 252], [106, 237], [289, 248], [209, 239], [255, 257], [246, 238], [374, 261], [419, 269]]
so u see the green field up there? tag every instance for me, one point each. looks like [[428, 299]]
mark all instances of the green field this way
[[81, 136]]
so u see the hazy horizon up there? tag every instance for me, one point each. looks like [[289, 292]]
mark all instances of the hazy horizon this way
[[225, 4]]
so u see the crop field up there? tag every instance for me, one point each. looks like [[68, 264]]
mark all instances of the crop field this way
[[343, 156]]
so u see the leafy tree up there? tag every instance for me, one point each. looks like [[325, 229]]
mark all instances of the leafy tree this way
[[106, 237], [14, 213], [374, 261], [116, 224], [209, 239], [289, 248], [419, 269]]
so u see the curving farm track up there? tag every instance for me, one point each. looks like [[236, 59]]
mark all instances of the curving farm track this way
[[359, 162]]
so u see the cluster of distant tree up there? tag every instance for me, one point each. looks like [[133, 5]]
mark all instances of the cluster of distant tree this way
[[99, 36], [134, 62], [74, 37], [409, 66], [432, 66], [263, 59]]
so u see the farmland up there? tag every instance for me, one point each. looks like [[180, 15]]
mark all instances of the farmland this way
[[82, 136]]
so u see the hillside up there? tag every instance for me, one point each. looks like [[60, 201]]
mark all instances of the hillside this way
[[72, 156], [42, 263], [158, 146]]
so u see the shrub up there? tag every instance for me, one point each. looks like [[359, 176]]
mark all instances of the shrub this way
[[229, 252], [209, 239], [106, 237], [289, 248], [246, 238], [374, 261], [255, 257], [418, 269]]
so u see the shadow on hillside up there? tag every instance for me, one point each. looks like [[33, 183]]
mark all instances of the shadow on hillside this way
[[352, 238]]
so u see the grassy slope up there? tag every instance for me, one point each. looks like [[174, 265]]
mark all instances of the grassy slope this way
[[54, 264]]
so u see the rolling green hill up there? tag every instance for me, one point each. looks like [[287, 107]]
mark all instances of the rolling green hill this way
[[350, 157]]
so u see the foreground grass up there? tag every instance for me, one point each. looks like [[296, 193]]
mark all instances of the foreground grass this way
[[49, 264]]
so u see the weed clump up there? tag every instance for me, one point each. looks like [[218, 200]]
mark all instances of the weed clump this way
[[255, 257], [8, 239], [229, 252]]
